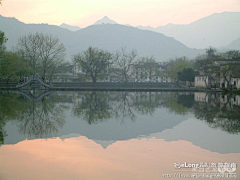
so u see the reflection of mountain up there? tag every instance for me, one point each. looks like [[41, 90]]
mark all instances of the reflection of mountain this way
[[107, 117], [116, 127], [203, 136], [110, 130]]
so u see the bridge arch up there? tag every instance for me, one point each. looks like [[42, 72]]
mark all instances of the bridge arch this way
[[30, 80]]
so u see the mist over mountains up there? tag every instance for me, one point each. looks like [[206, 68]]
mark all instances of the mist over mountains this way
[[216, 30], [69, 27], [233, 45], [109, 37]]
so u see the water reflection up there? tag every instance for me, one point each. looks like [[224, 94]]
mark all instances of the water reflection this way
[[219, 111], [95, 107], [41, 119], [36, 116], [45, 114], [81, 158], [114, 135]]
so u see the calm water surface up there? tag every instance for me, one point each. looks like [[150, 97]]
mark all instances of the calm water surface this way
[[118, 135]]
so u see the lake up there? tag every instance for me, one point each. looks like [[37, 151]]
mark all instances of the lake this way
[[100, 135]]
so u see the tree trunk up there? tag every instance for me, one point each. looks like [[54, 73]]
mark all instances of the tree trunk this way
[[177, 83], [94, 79]]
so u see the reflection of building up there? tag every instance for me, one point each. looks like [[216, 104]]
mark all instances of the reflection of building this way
[[200, 97], [229, 101]]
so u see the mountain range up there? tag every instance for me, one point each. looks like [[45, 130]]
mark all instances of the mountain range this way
[[105, 20], [69, 27], [110, 37], [233, 45], [217, 30]]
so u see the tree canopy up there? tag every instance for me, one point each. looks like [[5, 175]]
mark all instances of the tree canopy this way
[[177, 65], [93, 62]]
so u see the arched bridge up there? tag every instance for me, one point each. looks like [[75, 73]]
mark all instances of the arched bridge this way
[[32, 80], [32, 98]]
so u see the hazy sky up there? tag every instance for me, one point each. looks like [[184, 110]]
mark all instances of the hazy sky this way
[[134, 12]]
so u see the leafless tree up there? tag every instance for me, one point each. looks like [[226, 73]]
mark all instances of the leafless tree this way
[[124, 62], [43, 51]]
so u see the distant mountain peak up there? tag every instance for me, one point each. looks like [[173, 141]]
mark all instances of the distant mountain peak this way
[[105, 20], [105, 17], [69, 27]]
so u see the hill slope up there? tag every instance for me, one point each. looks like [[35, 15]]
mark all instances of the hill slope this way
[[235, 45], [69, 27], [216, 30], [107, 36]]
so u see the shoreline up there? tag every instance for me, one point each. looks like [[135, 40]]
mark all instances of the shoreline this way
[[117, 89]]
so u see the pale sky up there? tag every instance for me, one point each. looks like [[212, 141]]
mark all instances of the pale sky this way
[[134, 12]]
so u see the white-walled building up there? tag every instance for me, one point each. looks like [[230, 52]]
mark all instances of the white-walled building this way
[[201, 81]]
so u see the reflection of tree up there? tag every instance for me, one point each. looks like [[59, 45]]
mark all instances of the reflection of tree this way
[[2, 132], [99, 106], [10, 105], [123, 104], [41, 119], [33, 118], [225, 116], [146, 103], [94, 107], [229, 120], [174, 102], [186, 100]]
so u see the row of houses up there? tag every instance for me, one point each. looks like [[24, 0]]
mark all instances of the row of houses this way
[[138, 73], [223, 73], [220, 82]]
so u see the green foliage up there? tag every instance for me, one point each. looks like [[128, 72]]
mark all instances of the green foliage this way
[[10, 106], [177, 65], [174, 104], [213, 65], [93, 62], [206, 65], [148, 65], [186, 100], [12, 67], [186, 75], [3, 40], [230, 64]]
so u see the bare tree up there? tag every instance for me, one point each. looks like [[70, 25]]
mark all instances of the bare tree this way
[[124, 62], [43, 51]]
